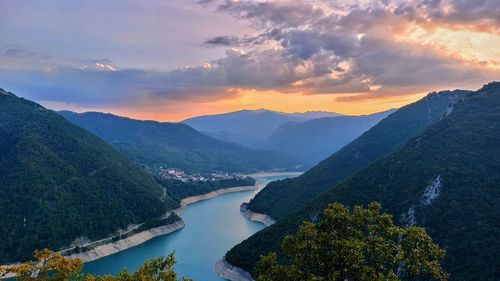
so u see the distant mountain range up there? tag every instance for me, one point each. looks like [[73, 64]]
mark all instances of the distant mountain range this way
[[154, 144], [248, 127], [432, 164], [279, 198], [59, 182], [314, 140]]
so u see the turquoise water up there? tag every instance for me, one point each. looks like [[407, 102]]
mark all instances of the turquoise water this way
[[212, 227]]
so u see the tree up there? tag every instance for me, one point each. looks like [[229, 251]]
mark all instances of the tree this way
[[354, 244], [51, 266]]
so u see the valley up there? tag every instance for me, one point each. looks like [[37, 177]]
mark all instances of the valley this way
[[250, 140], [211, 228], [223, 215]]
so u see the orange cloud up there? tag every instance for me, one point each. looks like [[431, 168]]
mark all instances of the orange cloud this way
[[174, 111]]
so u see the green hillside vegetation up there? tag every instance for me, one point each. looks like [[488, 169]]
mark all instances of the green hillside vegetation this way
[[446, 180], [314, 140], [347, 244], [280, 198], [180, 190], [51, 266], [155, 144], [59, 183], [355, 244]]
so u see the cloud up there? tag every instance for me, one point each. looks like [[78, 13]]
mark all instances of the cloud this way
[[373, 49], [373, 39], [222, 40]]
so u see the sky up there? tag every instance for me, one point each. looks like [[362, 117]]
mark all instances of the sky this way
[[170, 60]]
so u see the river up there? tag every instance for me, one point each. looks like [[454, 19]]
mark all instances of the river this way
[[212, 227]]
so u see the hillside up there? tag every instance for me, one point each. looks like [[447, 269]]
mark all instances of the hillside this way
[[248, 127], [156, 144], [280, 198], [314, 140], [446, 180], [59, 183]]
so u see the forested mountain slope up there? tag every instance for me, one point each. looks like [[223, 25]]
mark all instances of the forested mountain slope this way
[[156, 144], [59, 182], [280, 198], [447, 180], [316, 139]]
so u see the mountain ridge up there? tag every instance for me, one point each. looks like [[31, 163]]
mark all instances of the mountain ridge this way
[[247, 127], [443, 179], [278, 198], [316, 139], [60, 183], [155, 144]]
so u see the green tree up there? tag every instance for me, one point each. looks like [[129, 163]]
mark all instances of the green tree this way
[[354, 244], [51, 266]]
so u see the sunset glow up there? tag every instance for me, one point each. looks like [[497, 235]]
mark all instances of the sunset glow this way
[[280, 55]]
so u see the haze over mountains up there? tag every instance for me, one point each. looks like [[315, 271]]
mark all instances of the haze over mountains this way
[[155, 144], [292, 145], [438, 169], [248, 127], [315, 139], [308, 136]]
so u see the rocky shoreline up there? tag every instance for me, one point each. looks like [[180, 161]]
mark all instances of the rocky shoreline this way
[[141, 237], [120, 245], [193, 199], [262, 218], [132, 241], [231, 272]]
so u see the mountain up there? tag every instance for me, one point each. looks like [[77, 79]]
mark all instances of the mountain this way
[[248, 127], [60, 182], [156, 144], [446, 179], [279, 198], [314, 140]]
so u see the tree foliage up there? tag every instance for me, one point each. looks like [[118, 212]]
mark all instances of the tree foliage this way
[[460, 149], [59, 182], [279, 198], [354, 244], [156, 144], [180, 190], [52, 266]]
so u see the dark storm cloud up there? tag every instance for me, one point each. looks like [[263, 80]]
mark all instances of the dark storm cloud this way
[[222, 40]]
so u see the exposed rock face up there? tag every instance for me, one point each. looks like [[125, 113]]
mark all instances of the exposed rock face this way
[[431, 192], [408, 218], [230, 272], [263, 218], [132, 241]]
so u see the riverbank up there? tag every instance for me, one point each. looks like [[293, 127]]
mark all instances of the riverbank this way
[[141, 237], [124, 244], [193, 199], [230, 272], [272, 174], [262, 218], [120, 245]]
